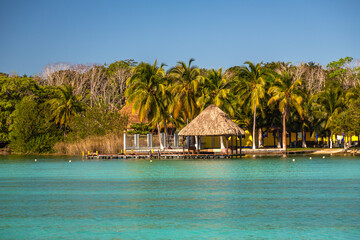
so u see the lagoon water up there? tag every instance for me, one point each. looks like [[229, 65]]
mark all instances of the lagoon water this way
[[250, 198]]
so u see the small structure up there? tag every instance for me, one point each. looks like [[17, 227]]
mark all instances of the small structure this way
[[213, 122]]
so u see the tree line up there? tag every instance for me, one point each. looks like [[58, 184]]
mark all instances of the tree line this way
[[72, 102]]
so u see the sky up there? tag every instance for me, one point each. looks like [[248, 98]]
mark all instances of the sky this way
[[215, 33]]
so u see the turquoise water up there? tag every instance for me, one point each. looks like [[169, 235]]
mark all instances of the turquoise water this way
[[251, 198]]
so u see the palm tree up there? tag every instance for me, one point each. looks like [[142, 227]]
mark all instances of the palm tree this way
[[146, 90], [185, 89], [251, 88], [216, 91], [307, 116], [327, 105], [285, 91], [65, 105]]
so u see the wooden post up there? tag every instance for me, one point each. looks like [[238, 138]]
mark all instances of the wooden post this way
[[240, 144], [232, 145], [227, 145], [236, 147], [183, 145]]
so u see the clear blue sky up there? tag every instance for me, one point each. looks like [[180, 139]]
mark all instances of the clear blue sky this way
[[215, 33]]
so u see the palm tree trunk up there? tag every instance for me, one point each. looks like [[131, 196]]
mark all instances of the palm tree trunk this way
[[350, 140], [161, 145], [254, 123], [344, 141], [165, 131], [331, 139], [284, 131], [304, 137], [222, 146], [261, 142], [278, 136]]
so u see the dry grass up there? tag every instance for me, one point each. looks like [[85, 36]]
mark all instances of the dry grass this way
[[109, 144]]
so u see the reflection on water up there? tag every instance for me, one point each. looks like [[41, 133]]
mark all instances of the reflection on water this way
[[250, 198]]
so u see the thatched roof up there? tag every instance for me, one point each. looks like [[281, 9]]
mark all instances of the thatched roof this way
[[212, 122], [132, 117]]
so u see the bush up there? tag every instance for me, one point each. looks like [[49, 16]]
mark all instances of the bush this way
[[140, 128], [32, 130], [97, 121]]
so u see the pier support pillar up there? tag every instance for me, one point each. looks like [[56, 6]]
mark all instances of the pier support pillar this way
[[163, 140], [149, 140], [176, 140], [136, 140]]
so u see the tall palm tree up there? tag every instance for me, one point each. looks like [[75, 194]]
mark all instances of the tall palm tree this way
[[216, 91], [65, 105], [307, 116], [146, 90], [327, 105], [286, 92], [250, 87], [185, 89]]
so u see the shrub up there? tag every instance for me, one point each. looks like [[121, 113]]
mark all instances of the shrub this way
[[32, 131]]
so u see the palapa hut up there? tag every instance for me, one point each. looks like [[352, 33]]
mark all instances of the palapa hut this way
[[213, 122]]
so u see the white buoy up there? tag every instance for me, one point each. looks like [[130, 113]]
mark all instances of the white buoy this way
[[323, 156], [69, 160], [35, 160], [294, 160], [310, 158]]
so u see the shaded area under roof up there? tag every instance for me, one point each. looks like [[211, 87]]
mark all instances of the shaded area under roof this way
[[212, 122]]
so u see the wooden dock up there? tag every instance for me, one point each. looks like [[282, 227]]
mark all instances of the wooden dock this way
[[163, 155]]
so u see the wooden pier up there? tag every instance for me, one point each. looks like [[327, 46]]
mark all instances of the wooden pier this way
[[164, 155]]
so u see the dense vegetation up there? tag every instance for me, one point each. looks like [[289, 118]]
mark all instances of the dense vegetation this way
[[69, 103]]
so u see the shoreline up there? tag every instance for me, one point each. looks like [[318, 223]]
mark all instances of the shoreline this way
[[246, 151]]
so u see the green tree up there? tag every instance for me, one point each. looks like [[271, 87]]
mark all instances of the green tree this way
[[327, 106], [185, 89], [65, 105], [342, 72], [97, 121], [32, 130], [250, 87], [146, 90], [216, 91], [286, 92], [12, 91], [348, 120]]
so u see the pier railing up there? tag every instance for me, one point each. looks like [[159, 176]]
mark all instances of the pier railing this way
[[150, 141]]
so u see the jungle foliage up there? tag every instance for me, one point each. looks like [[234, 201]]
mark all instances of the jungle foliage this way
[[67, 103]]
